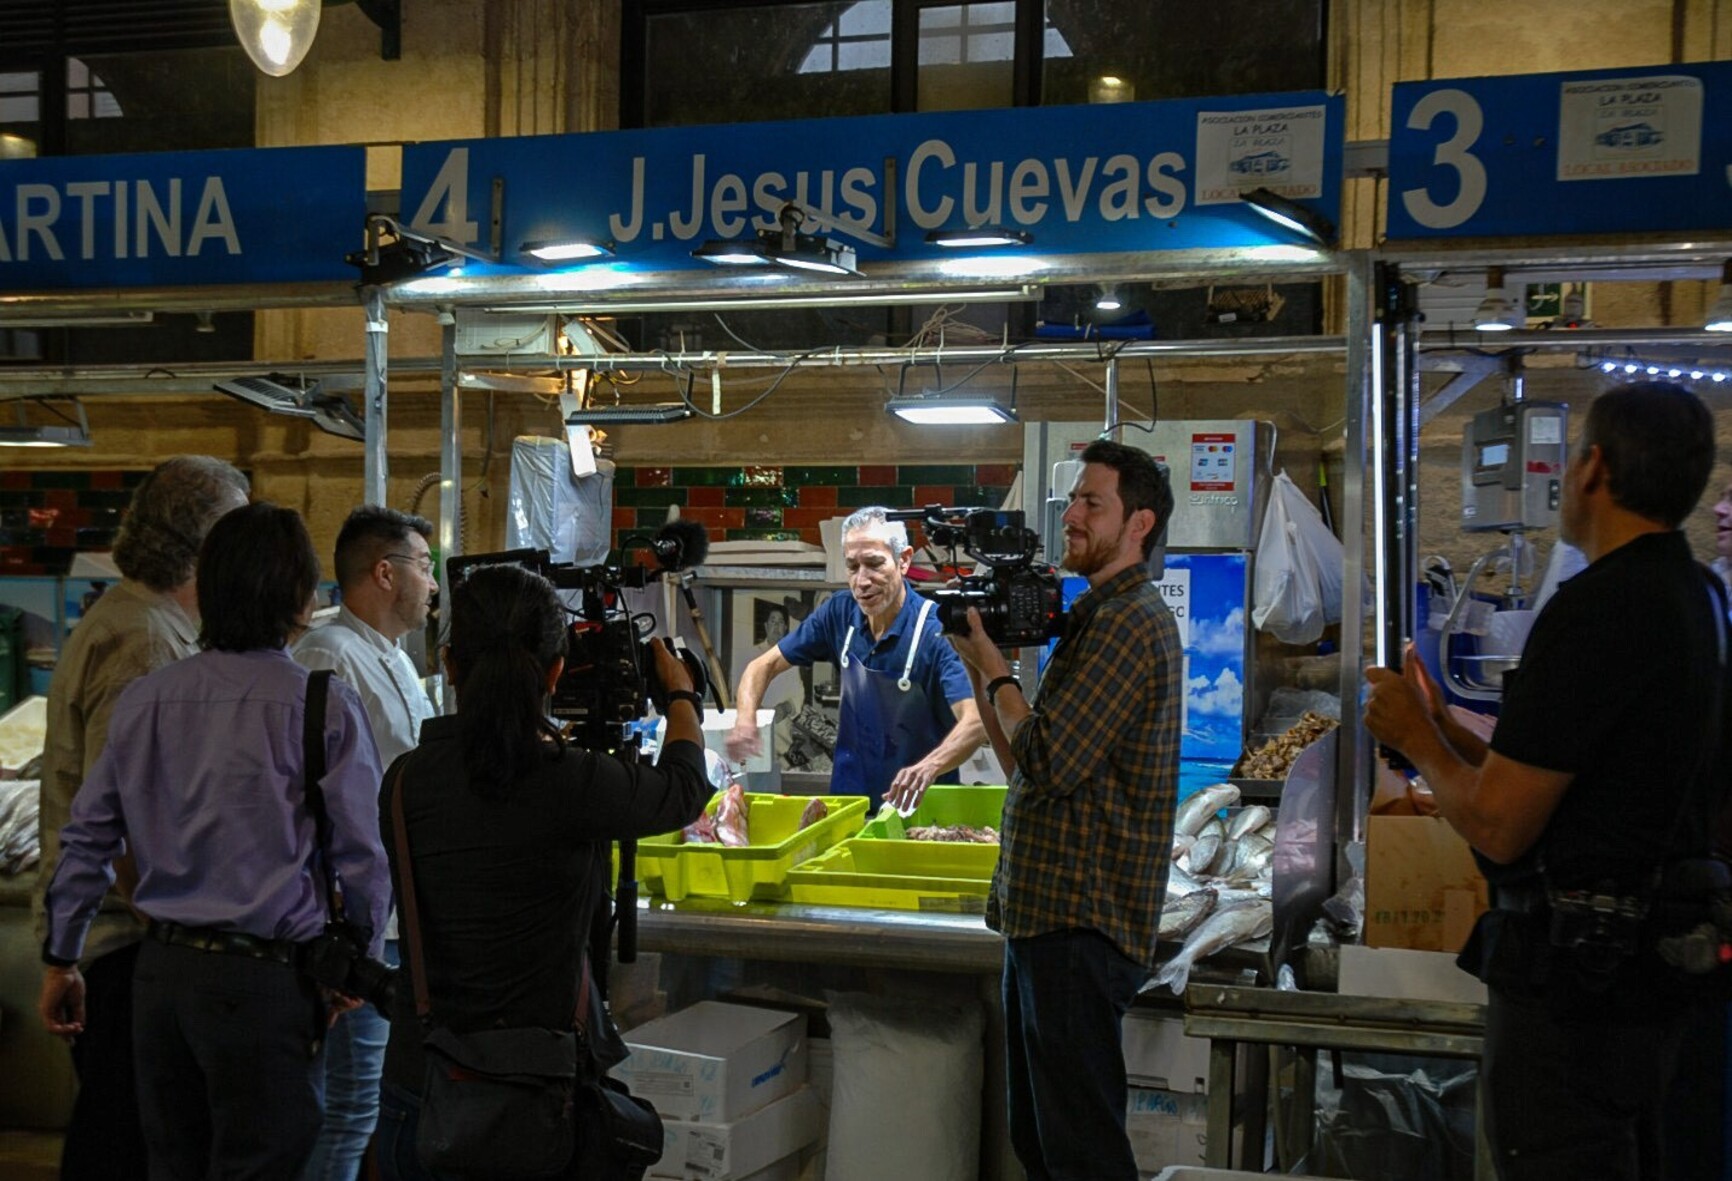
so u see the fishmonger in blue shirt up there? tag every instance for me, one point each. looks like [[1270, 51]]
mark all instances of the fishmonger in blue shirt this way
[[908, 716]]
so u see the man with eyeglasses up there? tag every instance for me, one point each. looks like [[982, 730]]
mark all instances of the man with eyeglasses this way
[[385, 573]]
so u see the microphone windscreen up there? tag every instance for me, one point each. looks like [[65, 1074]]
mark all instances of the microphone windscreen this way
[[682, 544]]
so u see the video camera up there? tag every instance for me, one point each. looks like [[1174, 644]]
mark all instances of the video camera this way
[[1019, 600], [610, 671]]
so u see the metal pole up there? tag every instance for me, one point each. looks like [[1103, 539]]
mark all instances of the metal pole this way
[[373, 395], [1353, 751], [1112, 395], [450, 448]]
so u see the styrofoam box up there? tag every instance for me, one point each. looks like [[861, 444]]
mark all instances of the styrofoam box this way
[[1401, 973], [770, 1137], [1159, 1054], [715, 1062], [1165, 1127]]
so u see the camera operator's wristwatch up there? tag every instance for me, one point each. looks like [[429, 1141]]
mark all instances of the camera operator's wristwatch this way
[[997, 683], [687, 695]]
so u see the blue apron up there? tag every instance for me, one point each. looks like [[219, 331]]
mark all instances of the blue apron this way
[[886, 722]]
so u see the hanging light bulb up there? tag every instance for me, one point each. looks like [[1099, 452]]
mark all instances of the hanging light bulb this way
[[1497, 312], [275, 33]]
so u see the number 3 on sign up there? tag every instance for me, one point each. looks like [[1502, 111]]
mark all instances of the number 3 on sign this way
[[1452, 153]]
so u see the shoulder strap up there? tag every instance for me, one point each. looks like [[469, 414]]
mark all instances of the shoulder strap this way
[[408, 906], [313, 773]]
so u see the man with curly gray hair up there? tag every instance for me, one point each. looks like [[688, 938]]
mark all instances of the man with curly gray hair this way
[[149, 620]]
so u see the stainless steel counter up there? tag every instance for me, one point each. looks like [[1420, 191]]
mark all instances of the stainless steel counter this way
[[904, 939]]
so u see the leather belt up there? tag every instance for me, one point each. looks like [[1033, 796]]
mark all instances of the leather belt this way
[[280, 951]]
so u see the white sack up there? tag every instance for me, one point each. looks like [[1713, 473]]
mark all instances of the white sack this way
[[906, 1101]]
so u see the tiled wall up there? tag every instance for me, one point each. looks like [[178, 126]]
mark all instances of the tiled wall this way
[[47, 517], [788, 503]]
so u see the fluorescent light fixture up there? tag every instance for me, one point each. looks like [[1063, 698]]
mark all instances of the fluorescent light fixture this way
[[979, 236], [1497, 312], [732, 252], [43, 436], [32, 318], [568, 250], [802, 252], [330, 412], [1025, 293], [1290, 215], [275, 33], [66, 433], [1107, 299], [1720, 315], [950, 411], [824, 255], [650, 412]]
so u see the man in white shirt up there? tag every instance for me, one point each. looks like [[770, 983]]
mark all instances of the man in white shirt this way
[[385, 572]]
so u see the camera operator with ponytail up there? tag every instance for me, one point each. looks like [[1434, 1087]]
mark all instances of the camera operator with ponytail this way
[[508, 833]]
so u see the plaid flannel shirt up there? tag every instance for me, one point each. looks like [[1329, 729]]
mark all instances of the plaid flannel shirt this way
[[1088, 820]]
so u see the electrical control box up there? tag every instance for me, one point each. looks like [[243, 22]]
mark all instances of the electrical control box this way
[[1512, 467]]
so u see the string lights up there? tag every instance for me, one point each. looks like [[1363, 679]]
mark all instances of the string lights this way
[[1631, 366]]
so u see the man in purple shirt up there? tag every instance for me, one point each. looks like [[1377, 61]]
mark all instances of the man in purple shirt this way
[[201, 782]]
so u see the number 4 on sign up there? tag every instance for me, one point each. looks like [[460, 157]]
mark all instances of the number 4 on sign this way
[[450, 188]]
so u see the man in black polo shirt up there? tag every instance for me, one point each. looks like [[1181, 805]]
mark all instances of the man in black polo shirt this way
[[1605, 765]]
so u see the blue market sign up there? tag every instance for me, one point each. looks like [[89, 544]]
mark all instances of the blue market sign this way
[[1085, 179], [1602, 151], [267, 215]]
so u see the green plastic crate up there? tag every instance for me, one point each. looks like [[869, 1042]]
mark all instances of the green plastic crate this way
[[953, 876], [943, 804], [669, 867]]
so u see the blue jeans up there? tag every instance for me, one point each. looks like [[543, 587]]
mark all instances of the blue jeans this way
[[354, 1060], [1065, 995]]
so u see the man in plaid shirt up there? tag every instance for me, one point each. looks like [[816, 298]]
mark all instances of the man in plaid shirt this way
[[1088, 823]]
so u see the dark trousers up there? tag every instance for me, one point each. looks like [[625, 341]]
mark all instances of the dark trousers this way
[[1065, 995], [103, 1139], [229, 1081], [394, 1141], [1572, 1095]]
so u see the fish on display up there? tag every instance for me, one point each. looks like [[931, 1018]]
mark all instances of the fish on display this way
[[731, 812], [1249, 820], [1179, 881], [1221, 930], [1180, 915], [1202, 854], [1201, 807]]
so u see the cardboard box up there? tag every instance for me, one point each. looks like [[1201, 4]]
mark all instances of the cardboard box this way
[[715, 1062], [1403, 974], [768, 1141], [1422, 888], [1165, 1127], [1159, 1055]]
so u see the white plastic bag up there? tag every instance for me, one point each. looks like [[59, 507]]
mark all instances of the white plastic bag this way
[[1297, 589], [906, 1096]]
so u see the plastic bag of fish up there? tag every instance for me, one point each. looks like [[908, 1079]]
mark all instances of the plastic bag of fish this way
[[1218, 882]]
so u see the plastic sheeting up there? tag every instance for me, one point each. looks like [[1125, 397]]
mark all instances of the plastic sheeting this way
[[1395, 1116], [907, 1097], [552, 509]]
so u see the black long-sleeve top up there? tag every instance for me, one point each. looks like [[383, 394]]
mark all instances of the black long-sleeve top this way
[[508, 887]]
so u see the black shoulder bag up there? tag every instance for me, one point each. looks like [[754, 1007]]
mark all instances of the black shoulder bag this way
[[513, 1102]]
